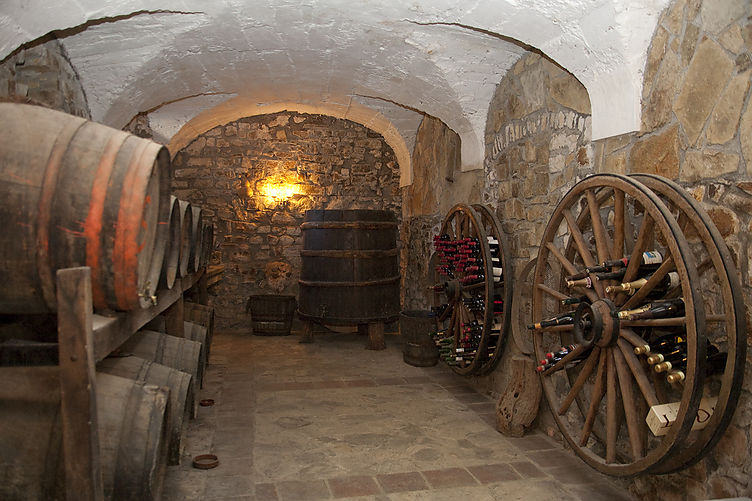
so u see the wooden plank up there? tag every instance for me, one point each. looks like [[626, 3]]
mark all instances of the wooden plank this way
[[112, 331], [661, 417], [376, 336], [83, 472], [599, 231], [619, 228], [612, 411], [175, 318], [587, 369], [630, 409]]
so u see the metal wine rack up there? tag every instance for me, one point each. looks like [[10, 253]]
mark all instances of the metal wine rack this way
[[473, 314], [601, 392]]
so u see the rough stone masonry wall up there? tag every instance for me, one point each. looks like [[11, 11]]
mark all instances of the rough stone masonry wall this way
[[44, 75], [338, 164], [697, 130]]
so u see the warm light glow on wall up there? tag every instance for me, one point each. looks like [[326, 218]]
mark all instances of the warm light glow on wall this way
[[277, 190]]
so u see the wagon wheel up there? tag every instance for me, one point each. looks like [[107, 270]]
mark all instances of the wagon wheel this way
[[724, 315], [503, 284], [602, 218], [462, 290]]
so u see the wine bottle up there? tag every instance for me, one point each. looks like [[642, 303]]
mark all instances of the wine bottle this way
[[668, 282], [586, 282], [662, 309], [679, 351], [573, 300], [611, 275], [715, 363], [652, 258], [587, 271], [563, 319], [662, 343], [628, 313]]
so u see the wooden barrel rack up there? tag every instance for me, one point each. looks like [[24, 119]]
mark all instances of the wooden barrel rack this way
[[473, 314], [604, 393], [60, 374]]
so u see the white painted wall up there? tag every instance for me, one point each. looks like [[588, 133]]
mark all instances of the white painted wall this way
[[406, 58]]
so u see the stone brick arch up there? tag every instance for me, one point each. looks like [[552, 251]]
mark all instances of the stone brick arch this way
[[241, 107]]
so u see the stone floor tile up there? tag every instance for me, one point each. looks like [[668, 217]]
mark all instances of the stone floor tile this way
[[265, 492], [353, 486], [476, 493], [534, 443], [493, 473], [299, 490], [232, 466], [390, 381], [529, 490], [554, 458], [449, 477], [358, 383], [527, 469], [471, 398], [399, 482], [219, 487], [576, 475], [600, 493]]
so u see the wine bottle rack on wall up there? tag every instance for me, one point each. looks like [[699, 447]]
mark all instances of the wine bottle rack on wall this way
[[472, 289], [669, 284]]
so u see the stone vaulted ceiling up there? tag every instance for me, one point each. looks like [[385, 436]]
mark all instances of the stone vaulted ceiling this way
[[192, 64]]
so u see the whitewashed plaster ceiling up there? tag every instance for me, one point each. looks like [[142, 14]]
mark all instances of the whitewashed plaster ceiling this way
[[402, 59]]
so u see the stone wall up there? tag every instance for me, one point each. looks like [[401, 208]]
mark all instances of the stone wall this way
[[696, 129], [43, 74], [336, 164]]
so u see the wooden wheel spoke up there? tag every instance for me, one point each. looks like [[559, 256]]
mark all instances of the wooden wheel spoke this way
[[570, 268], [619, 229], [599, 389], [638, 372], [579, 239], [631, 336], [655, 279], [644, 237], [612, 410], [587, 368], [551, 292], [630, 411], [599, 230]]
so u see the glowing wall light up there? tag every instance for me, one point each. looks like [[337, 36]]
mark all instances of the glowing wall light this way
[[278, 190]]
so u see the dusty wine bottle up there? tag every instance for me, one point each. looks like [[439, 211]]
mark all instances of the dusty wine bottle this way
[[586, 282], [563, 319], [573, 300], [648, 258], [668, 282], [661, 344], [663, 309]]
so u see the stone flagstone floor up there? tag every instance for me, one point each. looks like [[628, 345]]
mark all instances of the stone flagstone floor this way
[[331, 420]]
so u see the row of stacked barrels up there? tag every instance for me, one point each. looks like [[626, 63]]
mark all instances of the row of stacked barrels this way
[[146, 392], [78, 193]]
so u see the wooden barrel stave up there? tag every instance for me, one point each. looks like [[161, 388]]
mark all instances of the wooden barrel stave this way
[[182, 399]]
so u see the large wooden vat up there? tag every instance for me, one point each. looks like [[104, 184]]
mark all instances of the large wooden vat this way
[[350, 267], [77, 193]]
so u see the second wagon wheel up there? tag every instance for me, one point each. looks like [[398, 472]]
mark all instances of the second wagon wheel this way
[[600, 392], [502, 281], [464, 293], [724, 316]]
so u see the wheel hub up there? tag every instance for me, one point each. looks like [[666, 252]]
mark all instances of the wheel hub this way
[[597, 323]]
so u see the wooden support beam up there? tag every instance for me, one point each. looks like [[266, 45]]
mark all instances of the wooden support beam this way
[[83, 473]]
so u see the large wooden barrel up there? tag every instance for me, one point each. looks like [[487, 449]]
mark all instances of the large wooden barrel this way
[[178, 353], [204, 316], [132, 424], [172, 246], [182, 400], [186, 237], [350, 270], [77, 193]]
